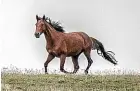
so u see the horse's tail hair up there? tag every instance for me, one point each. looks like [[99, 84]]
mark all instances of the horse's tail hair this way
[[108, 55]]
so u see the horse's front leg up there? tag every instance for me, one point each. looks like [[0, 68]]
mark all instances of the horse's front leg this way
[[50, 57], [62, 62]]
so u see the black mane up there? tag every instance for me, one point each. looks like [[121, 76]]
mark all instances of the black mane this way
[[55, 25]]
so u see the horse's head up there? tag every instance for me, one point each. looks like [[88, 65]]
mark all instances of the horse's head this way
[[40, 26]]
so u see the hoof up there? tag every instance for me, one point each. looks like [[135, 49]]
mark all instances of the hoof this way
[[46, 72], [115, 64], [75, 71], [72, 72], [86, 72], [65, 71]]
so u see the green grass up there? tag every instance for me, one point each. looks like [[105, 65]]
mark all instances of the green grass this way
[[54, 82], [15, 79]]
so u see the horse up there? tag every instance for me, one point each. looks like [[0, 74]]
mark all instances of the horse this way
[[62, 45]]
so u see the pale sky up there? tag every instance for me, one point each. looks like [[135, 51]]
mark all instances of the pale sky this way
[[116, 23]]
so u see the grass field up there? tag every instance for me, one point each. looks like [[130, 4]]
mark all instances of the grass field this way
[[54, 82]]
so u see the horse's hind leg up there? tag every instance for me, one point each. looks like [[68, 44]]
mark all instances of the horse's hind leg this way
[[62, 62], [75, 63], [90, 61]]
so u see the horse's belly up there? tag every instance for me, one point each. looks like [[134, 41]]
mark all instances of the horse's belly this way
[[74, 53]]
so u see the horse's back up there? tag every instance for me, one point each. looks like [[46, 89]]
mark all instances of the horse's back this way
[[81, 37], [87, 40]]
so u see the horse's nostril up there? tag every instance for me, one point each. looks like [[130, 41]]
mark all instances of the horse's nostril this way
[[37, 35]]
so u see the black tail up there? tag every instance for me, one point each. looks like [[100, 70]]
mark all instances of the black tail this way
[[105, 54]]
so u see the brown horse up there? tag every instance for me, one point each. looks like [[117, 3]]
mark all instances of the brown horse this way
[[62, 45]]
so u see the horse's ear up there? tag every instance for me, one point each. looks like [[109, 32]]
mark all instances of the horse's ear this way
[[43, 17], [37, 18]]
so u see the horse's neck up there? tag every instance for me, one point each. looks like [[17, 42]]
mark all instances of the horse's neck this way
[[50, 34], [48, 39]]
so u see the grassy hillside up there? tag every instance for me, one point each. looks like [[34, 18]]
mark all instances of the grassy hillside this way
[[53, 82]]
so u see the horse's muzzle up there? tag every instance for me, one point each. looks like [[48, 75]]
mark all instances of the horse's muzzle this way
[[37, 35]]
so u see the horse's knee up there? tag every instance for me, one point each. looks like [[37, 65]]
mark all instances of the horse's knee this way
[[90, 61]]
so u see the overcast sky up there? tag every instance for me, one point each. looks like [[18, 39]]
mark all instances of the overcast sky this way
[[116, 23]]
